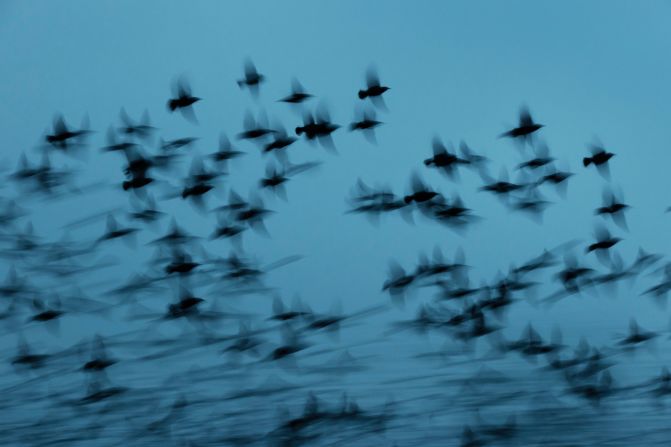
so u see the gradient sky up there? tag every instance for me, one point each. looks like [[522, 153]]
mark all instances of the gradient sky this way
[[460, 70]]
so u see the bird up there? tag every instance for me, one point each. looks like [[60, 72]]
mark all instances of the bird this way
[[183, 100], [62, 136], [442, 159], [297, 95], [318, 127], [374, 89], [251, 79], [525, 127], [599, 157], [366, 123]]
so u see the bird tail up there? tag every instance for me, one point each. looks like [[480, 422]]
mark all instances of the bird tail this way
[[586, 161]]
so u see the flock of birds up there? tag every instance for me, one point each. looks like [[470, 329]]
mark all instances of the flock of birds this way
[[178, 308]]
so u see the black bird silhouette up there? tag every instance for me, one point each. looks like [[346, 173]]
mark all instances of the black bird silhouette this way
[[280, 313], [100, 360], [501, 187], [319, 127], [532, 203], [599, 158], [531, 344], [298, 94], [226, 229], [281, 141], [137, 169], [97, 392], [366, 123], [291, 344], [545, 260], [141, 129], [24, 170], [114, 145], [275, 179], [613, 207], [245, 341], [373, 201], [253, 214], [594, 391], [225, 153], [421, 193], [636, 335], [398, 282], [574, 275], [181, 263], [199, 182], [526, 126], [556, 177], [254, 129], [604, 240], [47, 314], [176, 236], [183, 100], [186, 306], [42, 178], [542, 158], [447, 162], [661, 290], [235, 203], [146, 212], [374, 89], [439, 266], [178, 143], [62, 136], [252, 79], [10, 212], [453, 213], [113, 231], [25, 356]]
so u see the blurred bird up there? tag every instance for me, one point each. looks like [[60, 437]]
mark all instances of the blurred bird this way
[[252, 79], [141, 129], [61, 136], [366, 123], [254, 129], [319, 127], [183, 100], [298, 94], [374, 89], [599, 158], [613, 207], [446, 161], [526, 126]]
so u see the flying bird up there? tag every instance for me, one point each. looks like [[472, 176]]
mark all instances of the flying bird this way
[[252, 79], [525, 127], [183, 100]]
